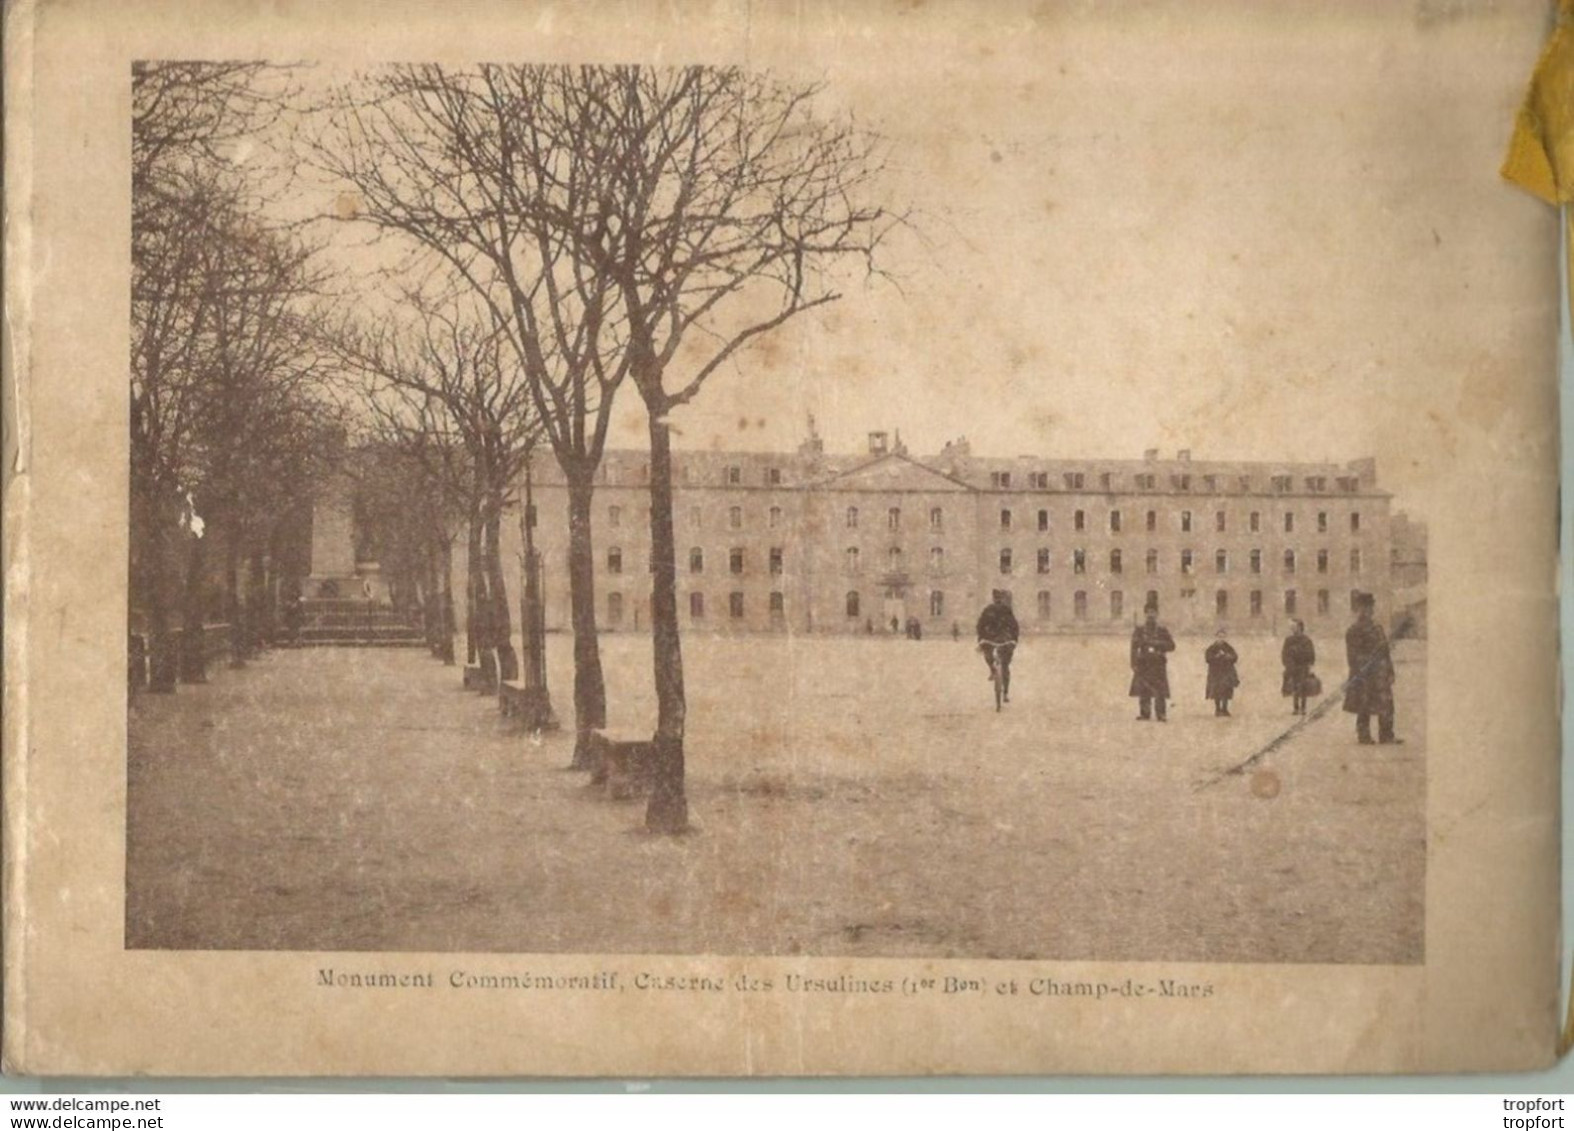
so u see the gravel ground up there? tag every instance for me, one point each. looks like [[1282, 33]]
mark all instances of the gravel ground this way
[[851, 797]]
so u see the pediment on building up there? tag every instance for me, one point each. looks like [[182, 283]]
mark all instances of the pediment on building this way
[[893, 473]]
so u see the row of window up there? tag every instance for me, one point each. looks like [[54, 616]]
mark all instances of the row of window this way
[[735, 606], [771, 476], [1188, 561], [1079, 520], [735, 559], [696, 517], [1078, 480], [1044, 609], [1178, 481], [895, 560], [1185, 521], [1117, 602], [853, 560]]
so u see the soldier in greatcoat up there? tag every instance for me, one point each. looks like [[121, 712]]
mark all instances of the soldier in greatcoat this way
[[1298, 655], [1370, 690], [1221, 658], [1151, 644]]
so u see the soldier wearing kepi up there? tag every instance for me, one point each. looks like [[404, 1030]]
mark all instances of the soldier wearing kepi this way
[[1298, 655], [1221, 658], [1151, 644], [1370, 690], [998, 632]]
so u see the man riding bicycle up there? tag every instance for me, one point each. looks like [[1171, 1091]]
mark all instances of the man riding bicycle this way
[[997, 638]]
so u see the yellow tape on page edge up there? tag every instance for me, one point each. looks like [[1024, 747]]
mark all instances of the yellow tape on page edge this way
[[1541, 161], [1541, 153]]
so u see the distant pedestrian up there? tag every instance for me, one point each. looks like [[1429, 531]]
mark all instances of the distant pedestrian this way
[[1151, 644], [956, 631], [1298, 656], [1222, 678], [1370, 690], [293, 616]]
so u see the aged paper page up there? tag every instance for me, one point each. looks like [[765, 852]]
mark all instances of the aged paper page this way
[[1034, 525]]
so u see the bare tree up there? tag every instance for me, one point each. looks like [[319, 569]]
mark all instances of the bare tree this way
[[450, 394], [221, 345], [187, 116], [262, 417], [406, 480], [169, 313], [474, 171], [728, 203]]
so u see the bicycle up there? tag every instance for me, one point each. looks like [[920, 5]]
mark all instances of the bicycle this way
[[998, 654]]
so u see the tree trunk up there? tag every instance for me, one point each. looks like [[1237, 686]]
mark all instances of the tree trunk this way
[[668, 811], [260, 619], [193, 648], [531, 623], [150, 558], [433, 615], [426, 592], [232, 602], [445, 599], [590, 689], [163, 647], [482, 608], [500, 618], [473, 641]]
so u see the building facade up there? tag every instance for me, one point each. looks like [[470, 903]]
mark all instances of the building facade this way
[[812, 542]]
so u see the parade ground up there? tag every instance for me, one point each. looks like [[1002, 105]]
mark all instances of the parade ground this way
[[852, 796]]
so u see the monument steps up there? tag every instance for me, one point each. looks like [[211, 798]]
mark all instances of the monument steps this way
[[345, 622]]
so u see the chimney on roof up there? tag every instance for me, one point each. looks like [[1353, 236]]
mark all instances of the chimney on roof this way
[[1151, 454], [812, 445], [953, 454], [877, 443]]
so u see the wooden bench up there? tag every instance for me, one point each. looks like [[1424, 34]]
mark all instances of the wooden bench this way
[[529, 705], [625, 762], [482, 676]]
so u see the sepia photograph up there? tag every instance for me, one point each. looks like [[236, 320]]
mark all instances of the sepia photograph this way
[[681, 509], [877, 538]]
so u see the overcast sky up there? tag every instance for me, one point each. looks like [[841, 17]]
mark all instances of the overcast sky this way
[[1250, 236]]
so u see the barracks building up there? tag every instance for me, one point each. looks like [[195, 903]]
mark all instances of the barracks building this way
[[813, 542]]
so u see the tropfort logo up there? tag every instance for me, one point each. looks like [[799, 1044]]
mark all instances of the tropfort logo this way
[[1533, 1122]]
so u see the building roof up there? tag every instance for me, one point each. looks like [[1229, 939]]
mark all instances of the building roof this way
[[956, 468]]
